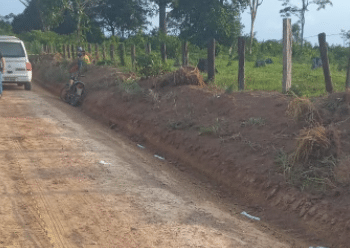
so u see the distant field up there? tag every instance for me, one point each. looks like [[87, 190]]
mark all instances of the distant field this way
[[305, 81]]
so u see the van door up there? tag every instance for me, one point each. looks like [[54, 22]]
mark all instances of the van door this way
[[15, 67]]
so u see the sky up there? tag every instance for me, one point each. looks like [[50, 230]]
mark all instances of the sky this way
[[268, 24]]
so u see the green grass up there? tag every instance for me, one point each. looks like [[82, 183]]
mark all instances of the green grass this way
[[258, 121], [305, 82]]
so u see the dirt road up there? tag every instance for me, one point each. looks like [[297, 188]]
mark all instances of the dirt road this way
[[68, 181]]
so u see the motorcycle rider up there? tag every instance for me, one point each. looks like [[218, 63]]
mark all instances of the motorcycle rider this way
[[83, 59]]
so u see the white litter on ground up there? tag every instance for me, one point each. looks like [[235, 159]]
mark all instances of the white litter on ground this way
[[103, 162], [142, 147], [250, 216], [156, 156]]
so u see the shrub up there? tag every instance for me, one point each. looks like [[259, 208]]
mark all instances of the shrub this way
[[151, 65]]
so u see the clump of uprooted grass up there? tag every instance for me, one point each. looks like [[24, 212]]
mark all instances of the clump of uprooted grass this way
[[316, 143], [313, 164], [302, 109], [184, 76]]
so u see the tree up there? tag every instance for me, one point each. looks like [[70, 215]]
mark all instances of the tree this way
[[162, 5], [253, 5], [29, 19], [79, 10], [300, 12], [200, 20], [5, 26], [122, 15], [68, 25], [296, 32], [346, 36]]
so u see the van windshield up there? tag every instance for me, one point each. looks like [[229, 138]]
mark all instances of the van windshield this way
[[12, 50]]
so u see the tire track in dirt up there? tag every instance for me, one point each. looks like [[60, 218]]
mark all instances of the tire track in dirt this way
[[25, 209], [49, 233], [54, 229], [21, 221]]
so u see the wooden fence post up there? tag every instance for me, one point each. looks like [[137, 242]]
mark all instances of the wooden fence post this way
[[241, 69], [133, 56], [185, 56], [163, 52], [148, 48], [111, 51], [325, 62], [72, 51], [121, 51], [347, 82], [103, 51], [287, 55], [211, 59], [64, 51], [96, 52], [68, 52]]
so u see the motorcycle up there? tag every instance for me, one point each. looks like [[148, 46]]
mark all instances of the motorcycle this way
[[73, 92]]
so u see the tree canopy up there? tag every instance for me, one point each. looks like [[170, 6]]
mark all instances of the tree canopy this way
[[300, 11], [122, 16], [200, 20]]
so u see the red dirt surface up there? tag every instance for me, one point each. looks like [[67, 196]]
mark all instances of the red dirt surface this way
[[210, 132]]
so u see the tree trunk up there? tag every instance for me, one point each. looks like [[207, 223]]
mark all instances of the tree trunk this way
[[302, 19], [162, 17], [78, 30], [40, 16], [302, 29], [253, 4], [253, 15]]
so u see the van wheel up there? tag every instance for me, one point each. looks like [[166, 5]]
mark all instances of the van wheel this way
[[28, 86]]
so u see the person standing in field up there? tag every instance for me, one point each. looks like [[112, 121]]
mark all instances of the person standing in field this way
[[2, 70]]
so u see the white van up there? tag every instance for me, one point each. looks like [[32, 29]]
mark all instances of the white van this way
[[18, 69]]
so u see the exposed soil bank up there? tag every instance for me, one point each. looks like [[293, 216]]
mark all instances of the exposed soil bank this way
[[233, 139]]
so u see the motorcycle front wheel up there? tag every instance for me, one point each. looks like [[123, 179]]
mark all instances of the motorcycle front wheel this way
[[64, 94]]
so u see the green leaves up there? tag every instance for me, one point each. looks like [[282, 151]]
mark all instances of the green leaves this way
[[322, 3], [151, 65], [200, 20]]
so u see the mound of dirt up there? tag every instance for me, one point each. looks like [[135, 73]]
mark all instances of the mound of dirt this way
[[183, 76]]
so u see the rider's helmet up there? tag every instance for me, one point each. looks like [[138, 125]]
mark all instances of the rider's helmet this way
[[80, 49]]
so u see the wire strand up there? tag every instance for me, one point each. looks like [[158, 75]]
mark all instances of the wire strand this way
[[327, 35]]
